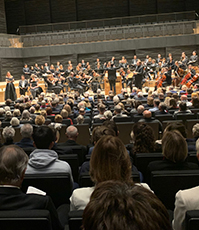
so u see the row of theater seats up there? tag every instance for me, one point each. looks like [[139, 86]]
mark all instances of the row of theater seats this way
[[152, 30]]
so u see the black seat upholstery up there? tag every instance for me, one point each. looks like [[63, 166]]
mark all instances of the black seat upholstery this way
[[164, 117], [57, 185], [166, 184], [75, 220], [25, 219], [192, 220], [122, 119]]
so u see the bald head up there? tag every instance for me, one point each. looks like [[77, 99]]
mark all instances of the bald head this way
[[183, 98], [140, 109], [147, 114], [72, 132]]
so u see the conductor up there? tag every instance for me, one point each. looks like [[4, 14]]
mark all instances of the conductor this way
[[112, 79]]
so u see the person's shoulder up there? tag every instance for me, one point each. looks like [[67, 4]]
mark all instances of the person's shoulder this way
[[190, 195]]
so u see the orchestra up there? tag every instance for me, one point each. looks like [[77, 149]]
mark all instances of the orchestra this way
[[62, 76]]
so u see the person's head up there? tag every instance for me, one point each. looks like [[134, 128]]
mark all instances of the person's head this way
[[156, 102], [162, 106], [182, 106], [102, 108], [22, 77], [13, 163], [117, 109], [177, 126], [195, 130], [111, 125], [43, 137], [40, 120], [8, 102], [111, 150], [72, 132], [174, 146], [82, 111], [49, 110], [14, 122], [43, 113], [16, 113], [64, 113], [147, 114], [100, 131], [58, 118], [195, 102], [80, 119], [8, 115], [37, 108], [8, 133], [26, 131], [140, 109], [150, 101], [183, 98], [2, 111], [143, 138], [115, 205], [108, 114], [172, 103], [25, 115]]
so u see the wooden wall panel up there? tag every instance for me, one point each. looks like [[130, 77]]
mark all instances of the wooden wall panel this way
[[142, 7], [3, 28]]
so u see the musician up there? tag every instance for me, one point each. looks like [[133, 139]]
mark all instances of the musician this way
[[112, 79], [58, 83], [193, 59], [138, 74], [32, 71], [112, 62], [10, 92], [170, 63], [61, 70], [183, 61], [146, 59], [23, 85], [123, 76], [42, 70], [129, 79], [167, 73], [134, 61], [34, 86], [83, 64], [159, 58], [26, 71], [37, 69], [97, 63], [69, 69], [46, 68], [58, 65], [52, 69]]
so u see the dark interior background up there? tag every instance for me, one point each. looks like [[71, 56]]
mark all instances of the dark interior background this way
[[30, 12]]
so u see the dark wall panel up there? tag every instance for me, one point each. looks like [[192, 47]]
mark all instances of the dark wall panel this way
[[15, 15], [93, 9], [141, 54], [63, 10], [37, 12], [3, 28], [142, 7], [38, 60], [14, 65], [64, 60], [167, 6]]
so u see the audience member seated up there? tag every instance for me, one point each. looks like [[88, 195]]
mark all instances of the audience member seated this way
[[156, 103], [118, 112], [139, 115], [7, 119], [44, 114], [109, 161], [15, 123], [8, 135], [40, 120], [71, 134], [149, 102], [174, 150], [147, 118], [172, 104], [43, 159], [80, 120], [185, 200], [108, 115], [26, 133], [64, 114], [13, 163], [16, 113], [183, 98], [162, 109], [182, 109], [116, 205], [26, 118], [101, 108], [143, 139]]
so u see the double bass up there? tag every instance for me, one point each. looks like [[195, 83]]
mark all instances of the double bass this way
[[161, 78]]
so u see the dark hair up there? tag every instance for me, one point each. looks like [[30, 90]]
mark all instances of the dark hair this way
[[100, 131], [49, 110], [115, 205], [157, 102], [111, 125], [195, 102], [43, 136], [177, 126], [144, 139], [183, 106], [110, 161]]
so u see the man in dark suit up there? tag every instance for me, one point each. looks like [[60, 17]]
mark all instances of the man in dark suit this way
[[13, 163], [26, 133], [112, 79], [72, 134], [138, 74], [23, 85]]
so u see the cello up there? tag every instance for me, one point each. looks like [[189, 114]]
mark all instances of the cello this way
[[194, 78]]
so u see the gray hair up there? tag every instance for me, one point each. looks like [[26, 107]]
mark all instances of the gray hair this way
[[195, 130], [13, 162], [2, 111], [71, 131], [197, 146], [14, 121], [8, 133], [116, 99], [108, 114], [7, 108], [25, 115], [26, 130], [80, 119], [140, 109], [16, 113]]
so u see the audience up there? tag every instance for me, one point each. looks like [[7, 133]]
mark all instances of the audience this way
[[8, 134], [26, 133]]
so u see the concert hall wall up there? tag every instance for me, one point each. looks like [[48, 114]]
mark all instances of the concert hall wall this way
[[29, 12], [3, 28]]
